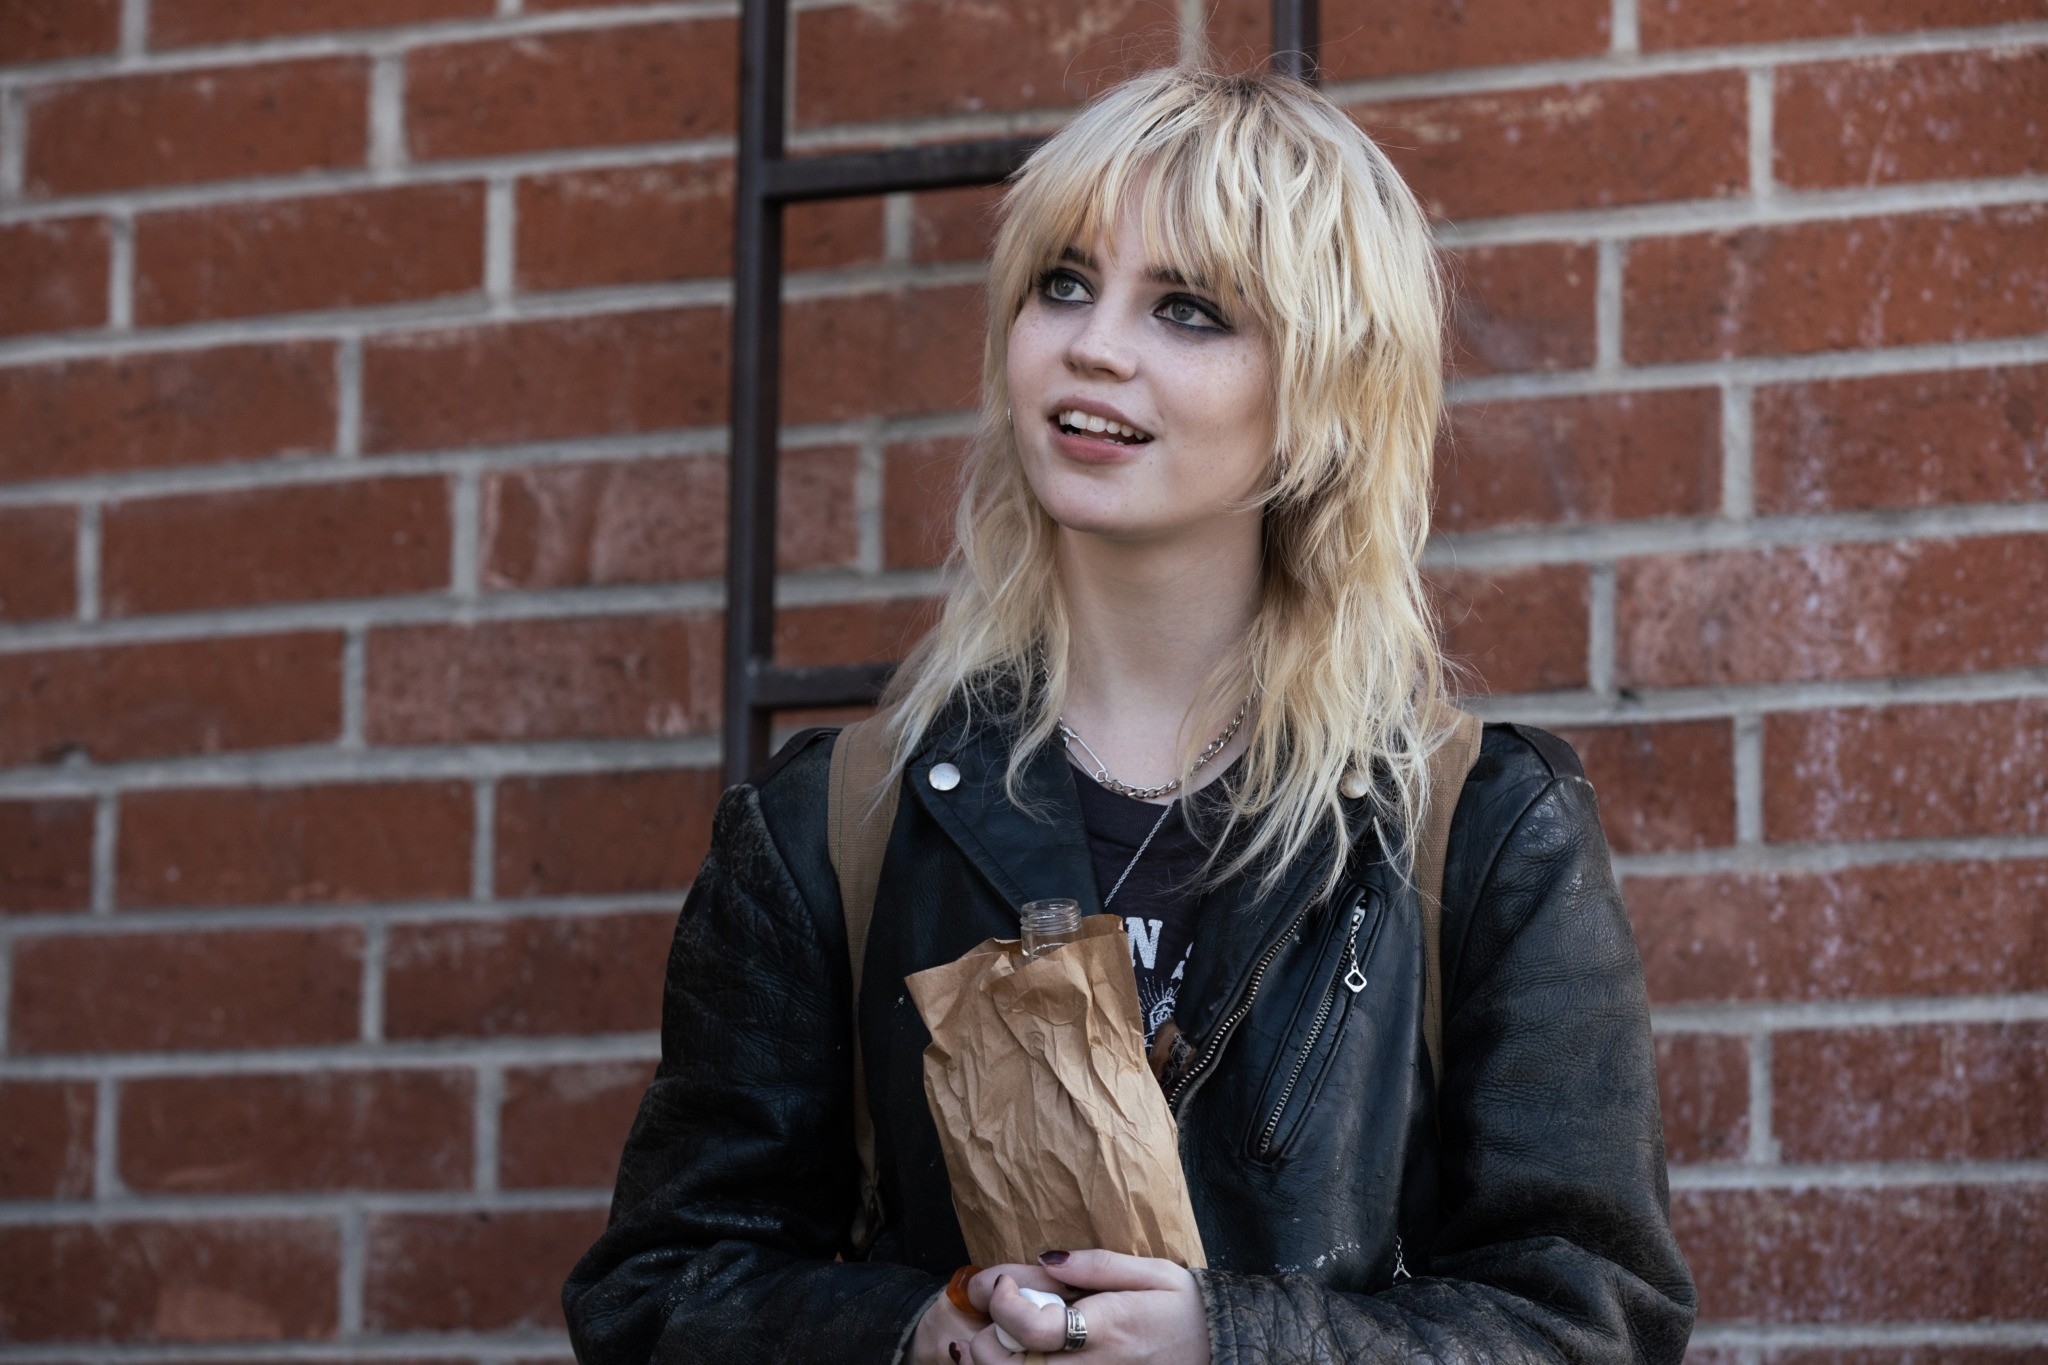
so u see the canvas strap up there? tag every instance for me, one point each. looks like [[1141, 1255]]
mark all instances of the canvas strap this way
[[1448, 768], [859, 812]]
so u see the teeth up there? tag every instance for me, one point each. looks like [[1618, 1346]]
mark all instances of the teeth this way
[[1088, 421]]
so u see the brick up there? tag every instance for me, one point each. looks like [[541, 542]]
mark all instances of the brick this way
[[853, 632], [564, 1126], [653, 223], [620, 84], [181, 127], [330, 1130], [866, 63], [1703, 1088], [53, 275], [903, 351], [954, 225], [601, 677], [46, 1146], [1516, 630], [342, 843], [1517, 308], [188, 23], [1932, 116], [1362, 39], [657, 521], [1707, 23], [1922, 1253], [544, 379], [1915, 440], [188, 989], [298, 543], [71, 418], [1907, 772], [38, 562], [920, 489], [1580, 458], [117, 702], [1860, 933], [1662, 786], [294, 255], [526, 977], [1928, 1092], [1951, 276], [603, 833], [1916, 607], [1552, 149], [197, 1280], [479, 1272], [45, 855], [50, 30]]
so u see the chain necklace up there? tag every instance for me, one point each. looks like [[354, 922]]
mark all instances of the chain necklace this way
[[1101, 771], [1147, 843]]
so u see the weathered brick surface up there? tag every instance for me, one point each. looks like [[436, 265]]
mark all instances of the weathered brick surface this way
[[340, 1130], [189, 989], [657, 521], [603, 834], [1362, 39], [38, 562], [170, 1280], [1960, 275], [920, 489], [358, 841], [858, 632], [48, 31], [71, 418], [1833, 611], [294, 255], [48, 864], [186, 23], [114, 702], [1562, 147], [909, 350], [225, 123], [1860, 933], [1907, 772], [526, 976], [1661, 786], [53, 275], [1703, 1086], [1590, 458], [478, 1272], [1936, 116], [598, 677], [46, 1147], [563, 1126], [1930, 1092], [1521, 308], [358, 538], [953, 225], [665, 82], [1516, 630], [1699, 23]]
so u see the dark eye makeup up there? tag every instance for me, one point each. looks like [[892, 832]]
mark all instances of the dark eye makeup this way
[[1188, 312]]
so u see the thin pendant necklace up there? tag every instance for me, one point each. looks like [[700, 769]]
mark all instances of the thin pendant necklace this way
[[1145, 844], [1070, 738]]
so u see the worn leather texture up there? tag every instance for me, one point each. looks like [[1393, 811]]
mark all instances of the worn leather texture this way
[[1352, 1206]]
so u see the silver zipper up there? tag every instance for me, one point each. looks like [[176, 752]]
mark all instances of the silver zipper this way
[[1244, 1006], [1322, 1020]]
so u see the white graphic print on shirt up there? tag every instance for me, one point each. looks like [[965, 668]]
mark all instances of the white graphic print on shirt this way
[[1156, 990]]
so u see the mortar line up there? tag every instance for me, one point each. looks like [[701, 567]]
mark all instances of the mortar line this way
[[1761, 89], [500, 241], [106, 827], [6, 992], [1738, 452], [396, 1347], [86, 556], [483, 851], [1763, 1142], [1757, 1336], [899, 229], [386, 156], [1602, 626], [348, 396], [590, 1050], [1607, 300], [376, 948], [869, 493], [465, 530], [353, 1273], [106, 1127], [1861, 1175], [120, 229], [1625, 29], [134, 32], [1746, 1017], [13, 143], [147, 920], [311, 1204], [490, 1103], [1749, 780], [354, 690]]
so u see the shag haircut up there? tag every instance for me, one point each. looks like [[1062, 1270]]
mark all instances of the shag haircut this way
[[1260, 188]]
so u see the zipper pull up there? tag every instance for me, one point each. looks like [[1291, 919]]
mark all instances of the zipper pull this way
[[1354, 980]]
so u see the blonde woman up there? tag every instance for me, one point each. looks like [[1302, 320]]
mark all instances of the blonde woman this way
[[1185, 673]]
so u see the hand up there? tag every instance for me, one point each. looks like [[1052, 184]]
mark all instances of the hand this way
[[942, 1326], [1140, 1310]]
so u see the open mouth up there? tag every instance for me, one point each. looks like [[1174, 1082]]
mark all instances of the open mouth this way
[[1075, 422]]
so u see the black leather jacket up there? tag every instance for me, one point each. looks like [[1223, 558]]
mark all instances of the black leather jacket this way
[[1352, 1208]]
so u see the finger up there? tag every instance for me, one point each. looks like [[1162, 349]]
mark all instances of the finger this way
[[984, 1349], [1037, 1327], [1111, 1270], [1030, 1276]]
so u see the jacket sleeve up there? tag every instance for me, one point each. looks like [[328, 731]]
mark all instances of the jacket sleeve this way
[[739, 1179], [1554, 1242]]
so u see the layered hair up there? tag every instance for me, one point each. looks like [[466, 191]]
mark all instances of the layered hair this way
[[1265, 192]]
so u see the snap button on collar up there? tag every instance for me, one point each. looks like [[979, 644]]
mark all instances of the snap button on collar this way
[[1354, 784], [943, 777]]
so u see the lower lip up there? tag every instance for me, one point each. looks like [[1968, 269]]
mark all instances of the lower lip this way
[[1093, 449]]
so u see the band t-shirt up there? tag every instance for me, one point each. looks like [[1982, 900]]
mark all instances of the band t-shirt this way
[[1158, 898]]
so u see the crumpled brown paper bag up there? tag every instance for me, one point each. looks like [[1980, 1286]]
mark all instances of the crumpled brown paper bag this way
[[1055, 1133]]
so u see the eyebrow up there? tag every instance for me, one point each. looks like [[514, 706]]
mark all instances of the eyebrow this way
[[1158, 274]]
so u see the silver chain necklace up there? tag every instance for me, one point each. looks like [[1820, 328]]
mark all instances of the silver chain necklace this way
[[1147, 843], [1101, 772]]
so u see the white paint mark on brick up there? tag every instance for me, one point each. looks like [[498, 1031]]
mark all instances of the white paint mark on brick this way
[[348, 396], [1626, 37], [490, 1104], [354, 668], [500, 240], [1749, 778], [1762, 109], [1738, 459], [121, 272], [1607, 306], [483, 852], [1601, 631], [85, 565], [106, 1154], [376, 945], [1763, 1146], [387, 117], [106, 834]]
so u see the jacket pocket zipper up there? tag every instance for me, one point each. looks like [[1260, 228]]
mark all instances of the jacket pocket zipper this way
[[1352, 978], [1244, 1006]]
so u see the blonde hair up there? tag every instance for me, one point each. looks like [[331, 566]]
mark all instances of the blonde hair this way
[[1261, 189]]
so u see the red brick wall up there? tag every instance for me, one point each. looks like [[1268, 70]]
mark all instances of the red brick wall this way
[[362, 372]]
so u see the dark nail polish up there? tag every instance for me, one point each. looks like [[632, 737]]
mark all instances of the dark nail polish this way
[[953, 1349], [1052, 1258]]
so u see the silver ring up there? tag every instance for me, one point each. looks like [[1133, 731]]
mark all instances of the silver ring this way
[[1077, 1330]]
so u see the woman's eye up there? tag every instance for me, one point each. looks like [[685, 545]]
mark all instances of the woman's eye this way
[[1188, 313], [1063, 288]]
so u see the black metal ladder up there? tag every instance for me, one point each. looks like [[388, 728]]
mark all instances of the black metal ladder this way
[[767, 182]]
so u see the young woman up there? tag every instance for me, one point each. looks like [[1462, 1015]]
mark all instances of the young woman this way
[[1184, 673]]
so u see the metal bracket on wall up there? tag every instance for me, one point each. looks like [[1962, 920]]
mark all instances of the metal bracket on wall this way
[[767, 182]]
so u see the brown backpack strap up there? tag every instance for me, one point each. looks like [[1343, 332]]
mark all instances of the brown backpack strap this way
[[859, 812], [1448, 768]]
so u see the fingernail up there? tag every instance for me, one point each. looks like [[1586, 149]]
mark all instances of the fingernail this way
[[1052, 1258], [953, 1349]]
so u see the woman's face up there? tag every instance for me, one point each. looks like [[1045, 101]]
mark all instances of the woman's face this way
[[1108, 337]]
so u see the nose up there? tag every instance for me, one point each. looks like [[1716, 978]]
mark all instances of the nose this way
[[1101, 347]]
